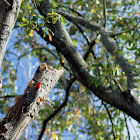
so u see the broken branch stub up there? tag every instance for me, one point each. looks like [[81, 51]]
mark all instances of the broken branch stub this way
[[27, 107]]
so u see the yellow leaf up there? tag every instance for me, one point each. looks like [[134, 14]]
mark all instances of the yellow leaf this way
[[34, 15], [123, 72], [75, 43], [62, 61], [92, 10], [125, 77], [50, 36], [35, 27], [29, 6], [4, 67], [114, 50], [54, 136], [74, 4], [52, 14], [113, 39], [77, 111], [43, 58], [116, 68], [31, 33], [138, 13], [124, 33]]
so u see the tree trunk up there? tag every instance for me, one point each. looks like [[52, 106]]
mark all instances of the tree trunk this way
[[27, 107], [8, 14]]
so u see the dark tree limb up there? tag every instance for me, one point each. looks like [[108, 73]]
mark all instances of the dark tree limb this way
[[8, 96], [104, 13]]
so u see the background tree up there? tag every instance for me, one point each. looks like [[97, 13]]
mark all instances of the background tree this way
[[97, 42]]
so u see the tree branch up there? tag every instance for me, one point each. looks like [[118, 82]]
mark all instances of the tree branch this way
[[134, 129], [62, 41], [108, 112], [109, 45], [8, 96], [90, 43], [128, 133], [104, 12], [8, 15]]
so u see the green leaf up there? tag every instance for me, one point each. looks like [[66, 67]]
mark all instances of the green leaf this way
[[53, 11], [44, 35], [28, 31], [42, 17], [23, 24], [98, 82], [41, 24], [24, 19], [55, 3], [63, 20]]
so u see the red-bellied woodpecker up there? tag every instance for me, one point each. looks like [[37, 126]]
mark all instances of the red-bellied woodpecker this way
[[38, 86], [33, 93]]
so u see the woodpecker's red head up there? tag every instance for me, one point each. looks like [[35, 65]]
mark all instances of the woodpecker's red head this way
[[38, 86]]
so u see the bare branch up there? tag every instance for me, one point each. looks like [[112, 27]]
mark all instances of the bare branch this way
[[111, 120], [128, 132], [104, 12], [134, 128], [8, 96], [84, 34]]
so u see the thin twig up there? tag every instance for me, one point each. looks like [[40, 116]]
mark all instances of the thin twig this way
[[43, 48], [120, 33], [90, 43], [72, 9], [8, 96], [111, 120], [84, 34], [104, 12], [134, 129], [128, 132]]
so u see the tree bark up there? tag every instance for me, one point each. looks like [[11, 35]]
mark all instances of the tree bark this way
[[9, 10], [27, 107]]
